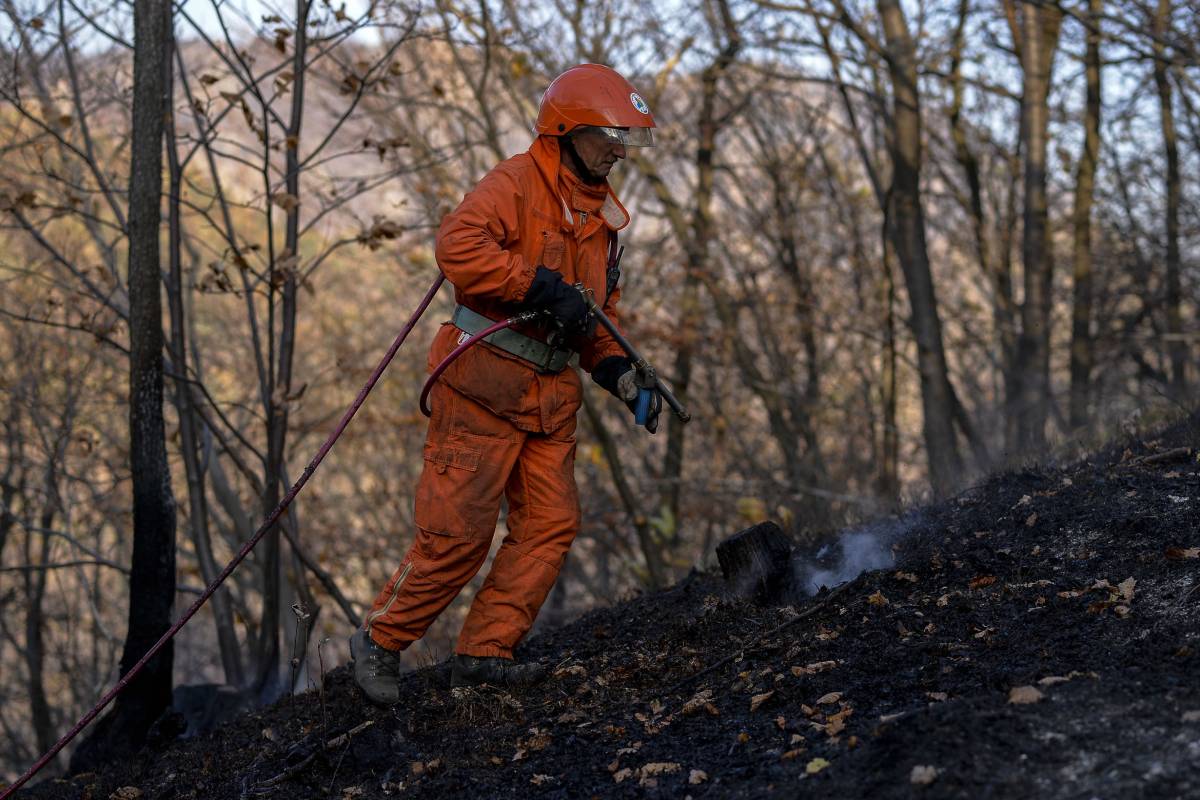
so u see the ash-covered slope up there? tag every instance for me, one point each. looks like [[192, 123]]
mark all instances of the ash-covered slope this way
[[1037, 636]]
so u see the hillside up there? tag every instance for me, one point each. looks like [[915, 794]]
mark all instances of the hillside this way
[[1037, 636]]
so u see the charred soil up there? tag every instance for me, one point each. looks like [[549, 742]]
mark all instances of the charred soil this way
[[1037, 636]]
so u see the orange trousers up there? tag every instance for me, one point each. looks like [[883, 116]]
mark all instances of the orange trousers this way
[[473, 458]]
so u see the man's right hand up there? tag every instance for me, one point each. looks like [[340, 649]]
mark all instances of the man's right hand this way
[[564, 302]]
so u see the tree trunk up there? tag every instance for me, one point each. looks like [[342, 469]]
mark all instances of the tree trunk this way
[[152, 575], [1082, 356], [696, 249], [907, 230], [1176, 349], [990, 266], [655, 569], [283, 278], [1039, 28], [152, 581], [185, 407]]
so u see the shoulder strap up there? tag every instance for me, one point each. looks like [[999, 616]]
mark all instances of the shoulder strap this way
[[614, 263]]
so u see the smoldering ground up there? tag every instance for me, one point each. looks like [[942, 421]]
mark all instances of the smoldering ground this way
[[855, 551]]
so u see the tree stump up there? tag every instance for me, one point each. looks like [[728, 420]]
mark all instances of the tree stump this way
[[756, 562]]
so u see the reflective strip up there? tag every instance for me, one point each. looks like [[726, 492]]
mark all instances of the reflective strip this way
[[567, 212], [395, 591]]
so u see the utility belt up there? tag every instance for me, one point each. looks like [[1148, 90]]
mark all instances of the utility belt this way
[[544, 357]]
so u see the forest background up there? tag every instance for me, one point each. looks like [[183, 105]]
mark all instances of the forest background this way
[[880, 249]]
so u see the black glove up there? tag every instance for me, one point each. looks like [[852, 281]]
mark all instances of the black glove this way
[[609, 371], [548, 291], [618, 376]]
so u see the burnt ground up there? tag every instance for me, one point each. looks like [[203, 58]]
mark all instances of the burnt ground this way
[[1074, 586]]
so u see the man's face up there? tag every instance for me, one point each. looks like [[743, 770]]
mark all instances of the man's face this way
[[597, 151]]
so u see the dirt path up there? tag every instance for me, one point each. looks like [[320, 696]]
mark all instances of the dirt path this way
[[1074, 589]]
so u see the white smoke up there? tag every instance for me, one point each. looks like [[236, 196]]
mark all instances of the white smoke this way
[[857, 550]]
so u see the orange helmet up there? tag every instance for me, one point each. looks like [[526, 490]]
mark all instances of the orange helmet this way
[[595, 96]]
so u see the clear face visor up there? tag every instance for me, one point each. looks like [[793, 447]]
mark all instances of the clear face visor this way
[[629, 137]]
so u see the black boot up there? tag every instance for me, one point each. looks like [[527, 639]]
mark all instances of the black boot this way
[[501, 672]]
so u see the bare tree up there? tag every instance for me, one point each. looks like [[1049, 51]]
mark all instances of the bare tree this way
[[1035, 28], [152, 574], [1082, 348], [1161, 25]]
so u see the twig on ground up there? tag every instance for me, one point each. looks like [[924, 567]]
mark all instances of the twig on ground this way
[[1174, 454], [808, 612]]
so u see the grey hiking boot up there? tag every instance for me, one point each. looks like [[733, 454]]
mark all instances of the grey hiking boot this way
[[501, 672], [376, 669]]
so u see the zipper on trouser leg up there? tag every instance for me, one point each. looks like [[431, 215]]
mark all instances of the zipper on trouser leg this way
[[395, 591]]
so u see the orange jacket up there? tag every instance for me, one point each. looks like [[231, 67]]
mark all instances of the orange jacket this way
[[529, 211]]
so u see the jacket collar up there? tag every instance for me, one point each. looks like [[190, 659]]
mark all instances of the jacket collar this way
[[546, 155]]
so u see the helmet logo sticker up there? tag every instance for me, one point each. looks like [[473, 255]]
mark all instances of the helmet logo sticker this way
[[639, 103]]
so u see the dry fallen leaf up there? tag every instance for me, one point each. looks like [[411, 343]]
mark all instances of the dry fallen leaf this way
[[538, 780], [980, 581], [1031, 520], [622, 774], [697, 702], [1125, 587], [1024, 695], [828, 699], [938, 697], [1179, 553], [814, 668], [923, 775], [658, 768], [836, 723], [353, 791], [816, 765], [1191, 716], [757, 700], [126, 793], [697, 776], [877, 599]]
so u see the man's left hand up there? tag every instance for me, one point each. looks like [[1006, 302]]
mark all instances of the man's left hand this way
[[618, 375]]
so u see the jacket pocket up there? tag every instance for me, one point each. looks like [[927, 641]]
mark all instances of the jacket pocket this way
[[554, 250]]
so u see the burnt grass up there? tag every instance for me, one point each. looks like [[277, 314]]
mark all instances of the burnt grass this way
[[899, 684]]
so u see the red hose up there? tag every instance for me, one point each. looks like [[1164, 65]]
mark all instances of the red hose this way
[[270, 521], [458, 351]]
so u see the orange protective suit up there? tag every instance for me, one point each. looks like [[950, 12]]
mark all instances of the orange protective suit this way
[[499, 428]]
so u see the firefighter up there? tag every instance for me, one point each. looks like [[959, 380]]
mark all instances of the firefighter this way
[[503, 414]]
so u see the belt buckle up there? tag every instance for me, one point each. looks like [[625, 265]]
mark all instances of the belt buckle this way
[[551, 351]]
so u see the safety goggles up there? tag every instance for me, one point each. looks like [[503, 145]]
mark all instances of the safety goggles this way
[[629, 137]]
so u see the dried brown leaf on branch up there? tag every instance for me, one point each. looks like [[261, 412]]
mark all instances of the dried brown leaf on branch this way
[[285, 200]]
